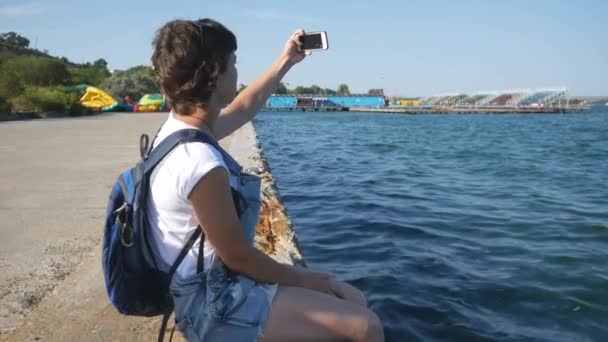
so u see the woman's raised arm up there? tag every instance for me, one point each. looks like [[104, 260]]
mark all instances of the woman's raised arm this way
[[249, 102]]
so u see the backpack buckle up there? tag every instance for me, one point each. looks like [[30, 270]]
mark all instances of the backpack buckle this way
[[127, 235]]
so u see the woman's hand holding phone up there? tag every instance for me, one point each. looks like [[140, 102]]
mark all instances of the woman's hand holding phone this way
[[291, 51]]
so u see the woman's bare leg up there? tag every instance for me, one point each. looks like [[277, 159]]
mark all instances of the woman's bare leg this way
[[351, 293], [299, 314]]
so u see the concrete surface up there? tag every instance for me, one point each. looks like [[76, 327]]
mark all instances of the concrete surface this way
[[57, 175]]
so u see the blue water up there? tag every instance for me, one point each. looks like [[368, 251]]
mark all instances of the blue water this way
[[457, 227]]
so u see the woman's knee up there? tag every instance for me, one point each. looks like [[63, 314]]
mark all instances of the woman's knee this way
[[375, 330], [304, 313], [369, 328], [359, 296], [351, 293]]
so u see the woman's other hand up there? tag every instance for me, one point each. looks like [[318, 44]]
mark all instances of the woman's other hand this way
[[348, 292], [291, 52], [321, 282]]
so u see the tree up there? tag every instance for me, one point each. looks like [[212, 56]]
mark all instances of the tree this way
[[92, 76], [282, 89], [299, 90], [343, 89], [100, 63], [134, 82], [13, 38], [312, 90], [241, 88], [316, 90], [377, 92]]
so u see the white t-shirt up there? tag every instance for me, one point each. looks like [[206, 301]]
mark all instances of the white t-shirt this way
[[172, 219]]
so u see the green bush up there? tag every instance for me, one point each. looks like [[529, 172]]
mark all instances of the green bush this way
[[33, 71], [10, 85], [5, 106], [49, 99]]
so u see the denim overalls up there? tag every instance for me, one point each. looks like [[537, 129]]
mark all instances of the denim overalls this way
[[221, 305]]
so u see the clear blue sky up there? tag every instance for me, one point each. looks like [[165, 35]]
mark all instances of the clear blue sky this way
[[409, 48]]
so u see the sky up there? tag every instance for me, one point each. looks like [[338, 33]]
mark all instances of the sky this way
[[407, 48]]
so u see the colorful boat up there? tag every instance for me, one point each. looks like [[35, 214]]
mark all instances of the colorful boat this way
[[97, 99], [152, 103]]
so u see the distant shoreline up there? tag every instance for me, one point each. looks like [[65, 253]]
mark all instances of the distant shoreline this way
[[4, 117], [7, 117], [438, 110]]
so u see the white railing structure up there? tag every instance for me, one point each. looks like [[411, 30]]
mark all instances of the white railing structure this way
[[545, 97], [555, 96], [488, 99]]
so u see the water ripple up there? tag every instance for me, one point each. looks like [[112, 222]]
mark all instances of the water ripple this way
[[457, 227]]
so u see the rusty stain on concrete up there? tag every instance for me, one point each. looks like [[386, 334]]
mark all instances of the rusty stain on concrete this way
[[274, 232]]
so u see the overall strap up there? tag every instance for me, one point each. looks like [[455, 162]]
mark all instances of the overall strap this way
[[198, 232]]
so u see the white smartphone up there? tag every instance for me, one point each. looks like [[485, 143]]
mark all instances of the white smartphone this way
[[314, 41]]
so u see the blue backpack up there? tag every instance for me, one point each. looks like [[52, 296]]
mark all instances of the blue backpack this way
[[135, 283]]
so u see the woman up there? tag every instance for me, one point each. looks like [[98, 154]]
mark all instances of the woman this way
[[228, 290]]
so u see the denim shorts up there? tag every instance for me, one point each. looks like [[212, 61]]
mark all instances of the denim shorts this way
[[218, 305]]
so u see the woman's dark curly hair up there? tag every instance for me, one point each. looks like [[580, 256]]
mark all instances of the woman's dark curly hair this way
[[188, 57]]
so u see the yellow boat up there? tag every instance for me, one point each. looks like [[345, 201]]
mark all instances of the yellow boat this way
[[98, 99]]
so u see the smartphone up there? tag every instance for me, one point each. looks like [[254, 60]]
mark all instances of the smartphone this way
[[314, 41]]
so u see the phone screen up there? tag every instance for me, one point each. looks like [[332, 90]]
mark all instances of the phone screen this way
[[312, 41]]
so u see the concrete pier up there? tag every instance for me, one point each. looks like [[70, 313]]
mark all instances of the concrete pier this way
[[56, 178]]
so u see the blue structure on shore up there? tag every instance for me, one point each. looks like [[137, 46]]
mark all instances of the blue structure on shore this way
[[281, 101], [320, 101]]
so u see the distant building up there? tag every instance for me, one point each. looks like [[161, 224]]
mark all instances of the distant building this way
[[320, 101], [408, 102], [522, 98], [281, 101]]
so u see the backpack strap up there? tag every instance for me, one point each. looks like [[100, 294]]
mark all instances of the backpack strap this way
[[144, 146], [185, 136], [169, 143], [198, 232]]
